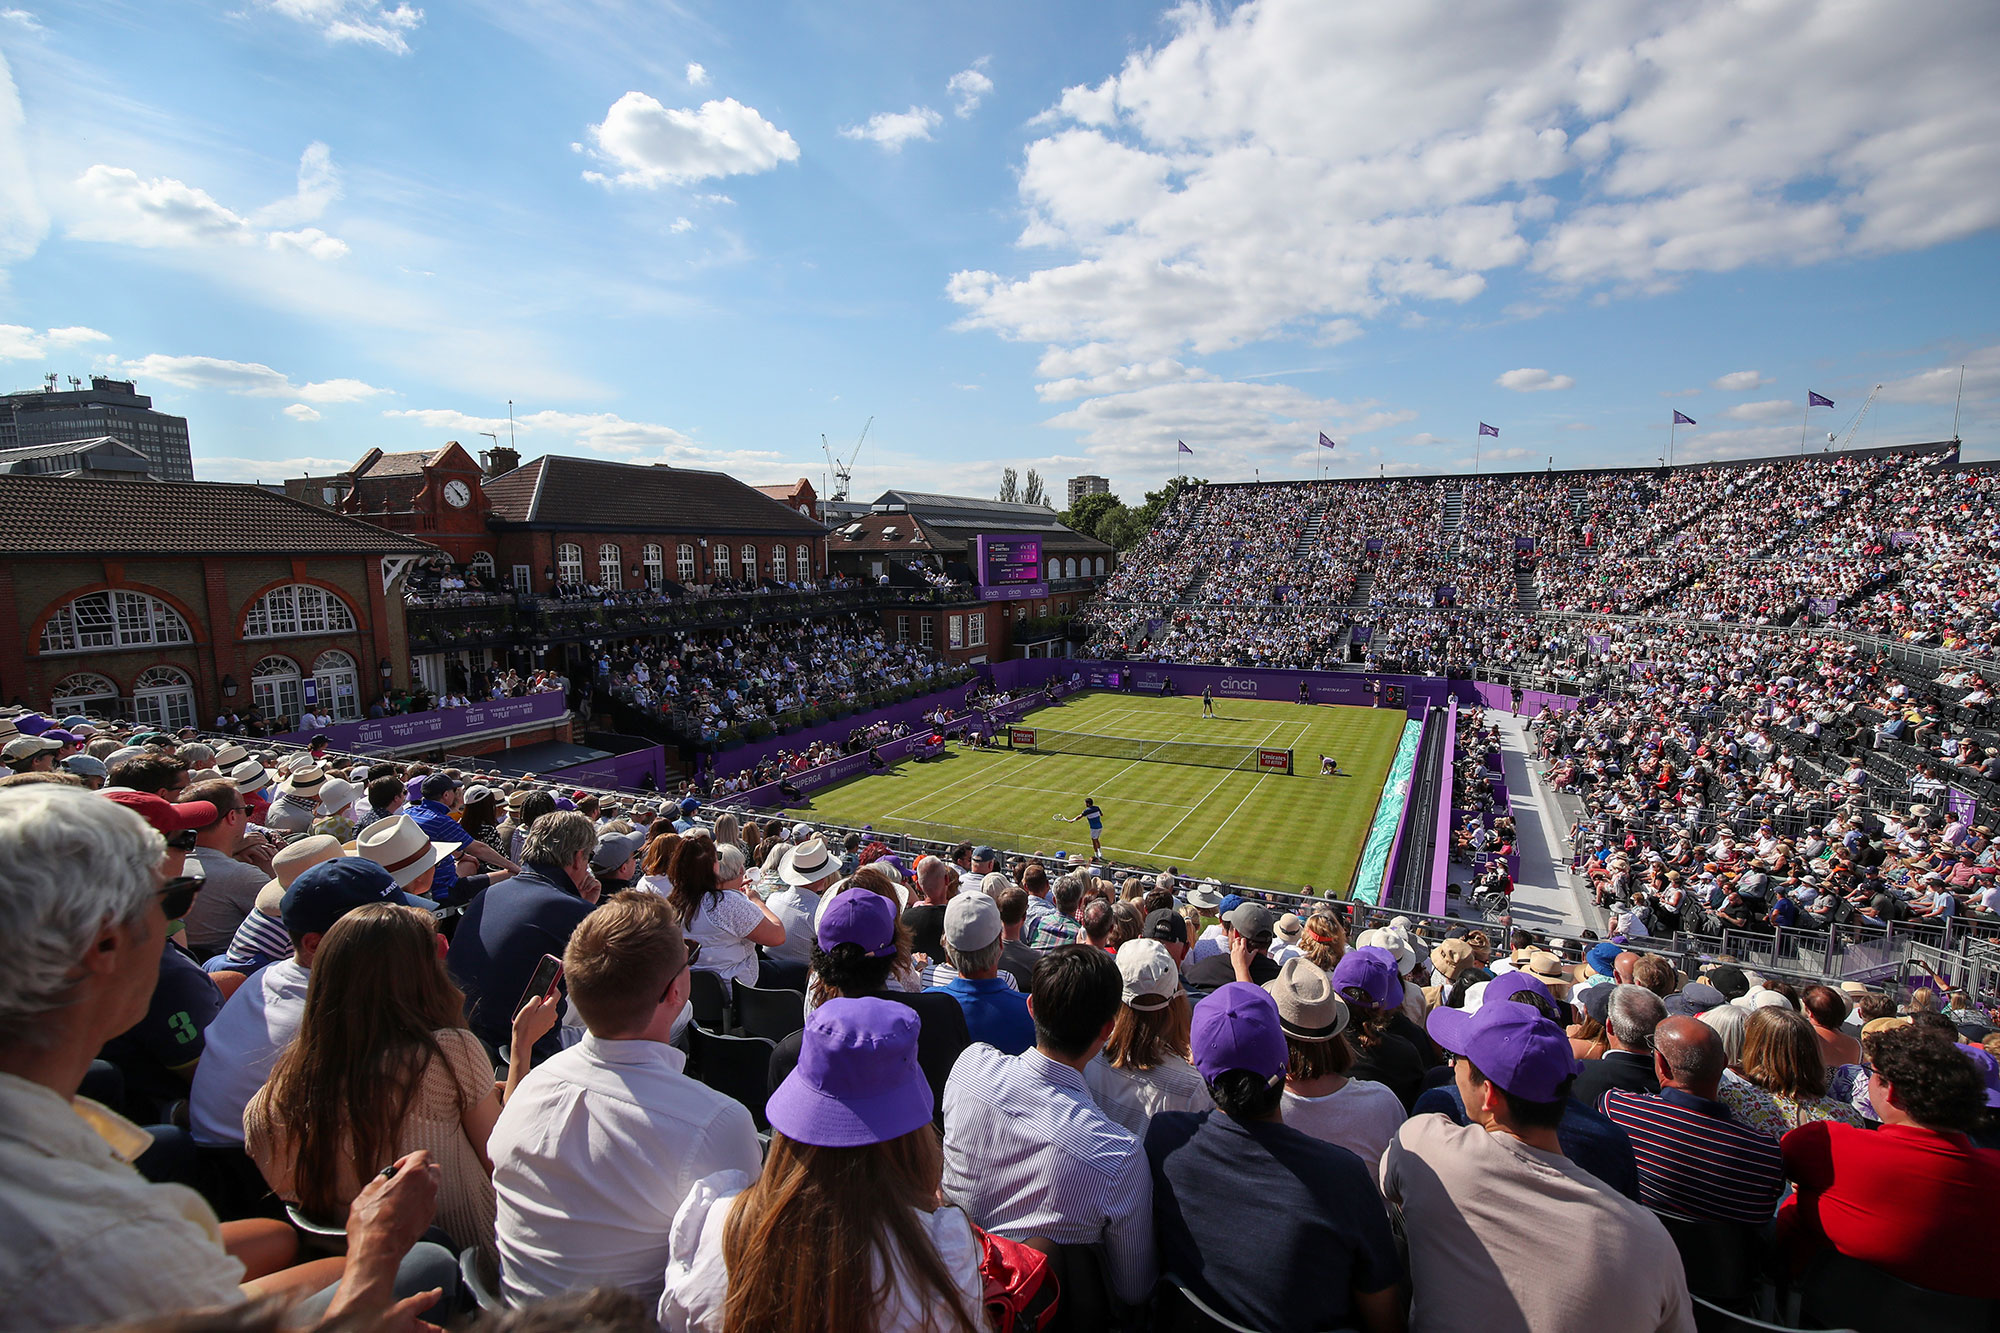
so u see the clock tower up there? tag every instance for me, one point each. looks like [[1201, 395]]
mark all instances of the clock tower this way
[[436, 495]]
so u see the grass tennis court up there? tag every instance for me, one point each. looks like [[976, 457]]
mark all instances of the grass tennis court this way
[[1271, 830]]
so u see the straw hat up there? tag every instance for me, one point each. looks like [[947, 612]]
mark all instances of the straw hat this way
[[401, 847]]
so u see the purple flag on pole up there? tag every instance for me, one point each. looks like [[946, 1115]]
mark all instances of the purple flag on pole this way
[[1325, 443], [1183, 444], [1817, 399], [1682, 419], [1485, 429]]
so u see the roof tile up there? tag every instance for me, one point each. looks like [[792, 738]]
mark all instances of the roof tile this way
[[81, 516]]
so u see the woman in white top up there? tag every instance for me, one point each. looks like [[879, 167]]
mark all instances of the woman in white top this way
[[653, 868], [712, 898], [1320, 1099], [844, 1231], [1143, 1069]]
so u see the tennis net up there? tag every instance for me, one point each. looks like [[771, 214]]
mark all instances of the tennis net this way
[[1245, 758]]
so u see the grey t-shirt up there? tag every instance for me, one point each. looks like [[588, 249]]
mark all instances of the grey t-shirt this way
[[228, 895]]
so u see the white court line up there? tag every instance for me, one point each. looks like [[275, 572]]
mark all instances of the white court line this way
[[1064, 791], [1231, 815], [1204, 800], [959, 782]]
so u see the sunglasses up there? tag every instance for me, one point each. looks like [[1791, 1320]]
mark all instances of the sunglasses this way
[[183, 841], [177, 895], [694, 952]]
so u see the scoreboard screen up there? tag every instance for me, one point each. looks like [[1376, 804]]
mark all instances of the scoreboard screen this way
[[1005, 560]]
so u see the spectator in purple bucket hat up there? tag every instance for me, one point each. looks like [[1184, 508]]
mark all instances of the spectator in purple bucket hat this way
[[1387, 1048], [846, 1216]]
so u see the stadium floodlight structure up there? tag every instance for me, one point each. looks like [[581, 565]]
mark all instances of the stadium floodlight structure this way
[[1243, 758]]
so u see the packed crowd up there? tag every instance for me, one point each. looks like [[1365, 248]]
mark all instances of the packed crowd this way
[[234, 997]]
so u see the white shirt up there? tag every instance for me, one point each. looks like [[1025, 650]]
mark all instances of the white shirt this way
[[795, 907], [697, 1282], [1360, 1116], [1028, 1153], [592, 1156], [88, 1239], [1132, 1097], [240, 1047], [722, 927]]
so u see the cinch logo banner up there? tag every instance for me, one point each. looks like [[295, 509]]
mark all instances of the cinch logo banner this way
[[1236, 685], [1280, 760]]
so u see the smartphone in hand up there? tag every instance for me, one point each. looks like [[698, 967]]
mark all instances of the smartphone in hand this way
[[547, 973]]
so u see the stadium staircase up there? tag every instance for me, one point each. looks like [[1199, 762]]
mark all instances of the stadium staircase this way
[[1309, 535], [1577, 497], [1526, 595], [1364, 584], [1454, 506]]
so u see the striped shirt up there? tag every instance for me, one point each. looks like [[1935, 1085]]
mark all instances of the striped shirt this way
[[1695, 1159], [1027, 1152], [1051, 931]]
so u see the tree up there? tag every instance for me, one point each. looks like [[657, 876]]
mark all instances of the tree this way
[[1010, 486], [1156, 501], [1035, 493], [1090, 514]]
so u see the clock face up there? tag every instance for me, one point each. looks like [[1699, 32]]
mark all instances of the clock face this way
[[457, 494]]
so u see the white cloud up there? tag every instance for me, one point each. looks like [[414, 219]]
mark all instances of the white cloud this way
[[117, 205], [250, 379], [267, 469], [23, 220], [1740, 381], [681, 225], [697, 76], [1274, 165], [364, 22], [300, 412], [1763, 411], [649, 145], [969, 87], [593, 433], [1530, 380], [20, 343], [892, 129], [22, 18], [1942, 384]]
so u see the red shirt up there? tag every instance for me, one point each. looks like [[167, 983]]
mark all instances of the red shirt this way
[[1908, 1200]]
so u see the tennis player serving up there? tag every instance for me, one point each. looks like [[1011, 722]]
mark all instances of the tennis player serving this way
[[1095, 817]]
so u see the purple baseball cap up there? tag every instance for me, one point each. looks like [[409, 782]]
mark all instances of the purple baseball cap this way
[[65, 737], [857, 1081], [1517, 1049], [859, 916], [1237, 1027], [1372, 971], [414, 788], [1509, 984], [32, 724], [1989, 1070]]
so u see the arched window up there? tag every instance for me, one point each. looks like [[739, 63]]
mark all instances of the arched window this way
[[297, 608], [339, 685], [274, 689], [749, 554], [722, 560], [101, 620], [163, 696], [805, 561], [610, 566], [84, 692], [684, 562], [1069, 569], [778, 563], [569, 563], [1100, 566], [482, 564], [1055, 568], [655, 561]]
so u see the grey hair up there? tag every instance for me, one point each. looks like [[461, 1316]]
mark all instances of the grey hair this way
[[1729, 1022], [978, 960], [558, 839], [196, 755], [729, 861], [1632, 1013], [70, 862]]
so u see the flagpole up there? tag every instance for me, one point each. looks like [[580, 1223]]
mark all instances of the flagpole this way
[[1672, 426], [1802, 426], [1478, 438]]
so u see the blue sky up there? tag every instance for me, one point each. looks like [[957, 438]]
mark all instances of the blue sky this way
[[1032, 234]]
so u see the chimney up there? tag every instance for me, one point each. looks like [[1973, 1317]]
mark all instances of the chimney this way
[[499, 459]]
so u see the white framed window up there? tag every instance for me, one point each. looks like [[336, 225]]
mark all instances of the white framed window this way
[[297, 608], [610, 566], [339, 685], [927, 631], [1069, 569], [482, 564], [804, 557], [902, 629], [569, 563], [749, 554], [83, 692], [684, 562], [163, 696], [274, 689], [654, 560], [778, 563], [113, 620], [975, 630], [1055, 568], [955, 632], [722, 560], [524, 578], [1100, 565]]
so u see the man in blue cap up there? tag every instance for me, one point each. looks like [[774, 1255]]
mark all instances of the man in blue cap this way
[[1491, 1207], [1319, 1210]]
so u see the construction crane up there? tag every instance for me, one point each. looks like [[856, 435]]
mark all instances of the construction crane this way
[[843, 473], [1848, 438]]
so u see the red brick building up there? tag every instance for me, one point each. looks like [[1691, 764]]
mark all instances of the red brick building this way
[[173, 602], [800, 497]]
